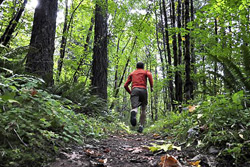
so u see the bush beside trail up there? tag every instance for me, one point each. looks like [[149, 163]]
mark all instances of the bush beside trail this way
[[220, 122], [36, 124]]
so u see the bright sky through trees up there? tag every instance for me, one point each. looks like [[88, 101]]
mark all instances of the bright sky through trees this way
[[31, 5]]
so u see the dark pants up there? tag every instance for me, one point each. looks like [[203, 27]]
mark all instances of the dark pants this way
[[139, 97]]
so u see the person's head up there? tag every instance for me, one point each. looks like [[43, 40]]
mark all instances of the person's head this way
[[140, 65]]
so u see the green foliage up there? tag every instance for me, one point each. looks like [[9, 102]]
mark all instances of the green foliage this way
[[171, 122], [14, 59], [239, 75], [36, 124], [221, 120], [81, 96]]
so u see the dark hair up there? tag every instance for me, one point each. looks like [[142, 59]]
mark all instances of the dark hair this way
[[140, 65]]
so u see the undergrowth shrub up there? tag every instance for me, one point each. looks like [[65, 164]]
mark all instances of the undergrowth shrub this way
[[35, 124], [77, 93], [221, 121]]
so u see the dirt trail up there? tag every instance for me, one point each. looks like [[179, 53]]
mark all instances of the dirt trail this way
[[122, 150]]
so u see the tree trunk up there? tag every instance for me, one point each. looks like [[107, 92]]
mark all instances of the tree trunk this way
[[158, 42], [165, 87], [188, 82], [162, 62], [123, 74], [178, 77], [171, 95], [183, 25], [225, 71], [193, 57], [117, 86], [183, 13], [100, 56], [1, 1], [215, 62], [148, 64], [156, 96], [175, 48], [66, 28], [43, 38], [5, 38], [204, 83], [116, 65], [64, 40], [86, 47]]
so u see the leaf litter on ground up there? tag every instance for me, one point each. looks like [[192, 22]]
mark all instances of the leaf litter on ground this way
[[132, 150]]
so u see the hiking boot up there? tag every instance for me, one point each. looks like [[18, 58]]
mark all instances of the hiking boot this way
[[133, 118], [140, 130]]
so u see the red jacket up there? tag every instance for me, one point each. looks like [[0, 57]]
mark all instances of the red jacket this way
[[139, 79]]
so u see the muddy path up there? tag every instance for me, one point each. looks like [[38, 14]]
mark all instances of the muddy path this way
[[128, 150]]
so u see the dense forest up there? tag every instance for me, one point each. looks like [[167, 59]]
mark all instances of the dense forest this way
[[63, 65]]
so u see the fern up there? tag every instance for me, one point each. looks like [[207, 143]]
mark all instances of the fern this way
[[237, 76], [236, 71], [81, 96], [227, 81], [246, 60], [17, 52], [14, 59]]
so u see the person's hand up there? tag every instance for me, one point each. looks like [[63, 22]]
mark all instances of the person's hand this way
[[152, 89]]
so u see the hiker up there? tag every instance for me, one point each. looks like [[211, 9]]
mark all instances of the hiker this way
[[139, 95]]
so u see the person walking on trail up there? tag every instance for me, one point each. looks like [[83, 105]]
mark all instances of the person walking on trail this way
[[139, 95]]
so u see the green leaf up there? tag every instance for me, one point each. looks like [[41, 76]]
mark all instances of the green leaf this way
[[237, 97], [165, 147], [13, 88], [13, 101], [8, 95]]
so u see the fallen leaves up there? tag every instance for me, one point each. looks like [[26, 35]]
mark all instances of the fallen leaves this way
[[196, 163], [156, 136], [191, 108], [169, 161], [71, 156], [118, 151], [241, 136], [92, 153], [106, 150], [135, 150], [199, 116], [165, 147], [103, 161], [33, 92], [99, 159]]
